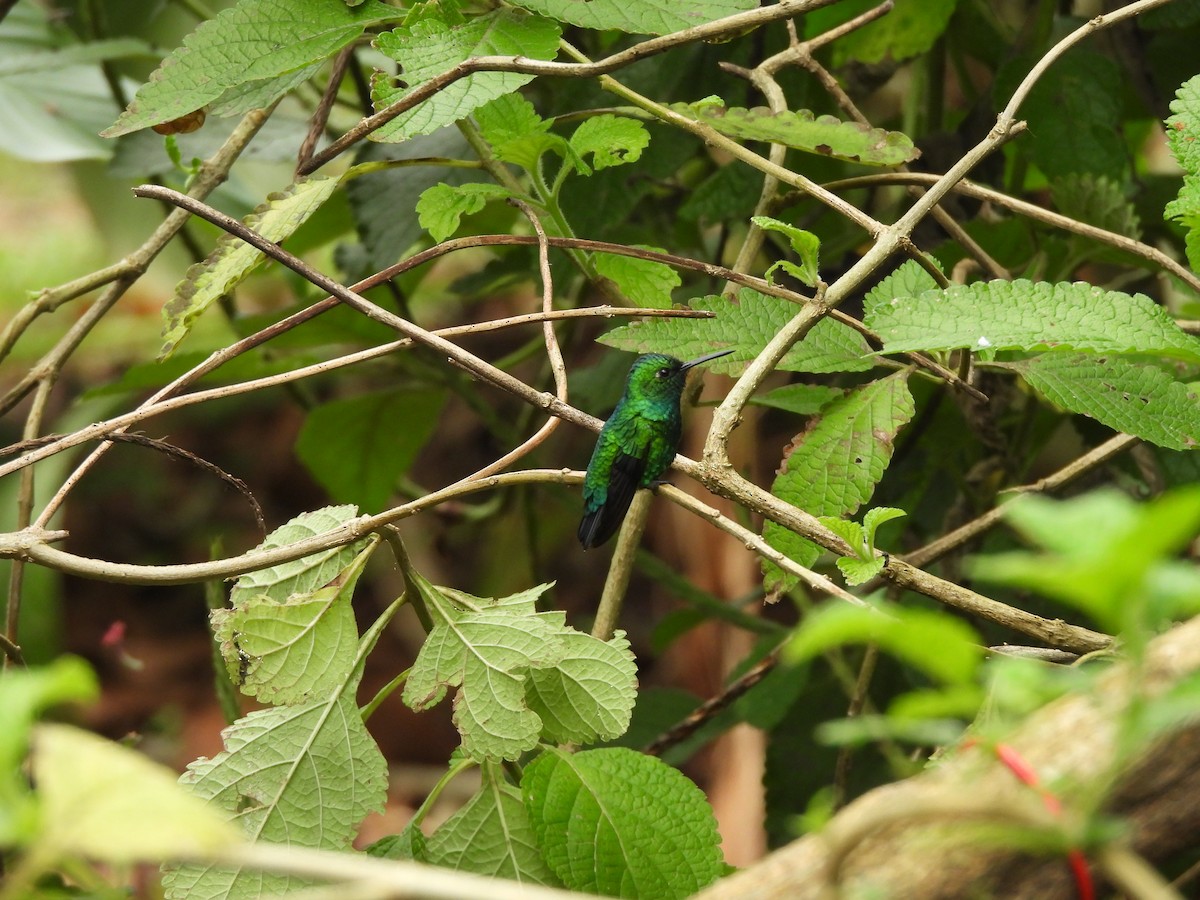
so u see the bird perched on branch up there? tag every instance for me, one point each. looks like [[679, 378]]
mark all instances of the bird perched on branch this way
[[636, 444]]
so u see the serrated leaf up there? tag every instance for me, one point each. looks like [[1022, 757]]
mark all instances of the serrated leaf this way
[[516, 132], [646, 283], [745, 326], [431, 46], [589, 695], [304, 775], [859, 571], [877, 516], [802, 399], [1027, 315], [233, 259], [442, 206], [1070, 112], [295, 651], [252, 41], [618, 822], [850, 532], [487, 654], [1134, 398], [643, 17], [1182, 130], [1098, 201], [806, 244], [408, 844], [832, 467], [109, 803], [824, 135], [308, 573], [909, 279], [940, 645], [610, 140], [357, 447], [283, 777], [491, 835]]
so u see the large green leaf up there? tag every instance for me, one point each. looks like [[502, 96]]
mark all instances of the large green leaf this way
[[433, 45], [303, 775], [490, 835], [253, 41], [304, 575], [832, 467], [746, 326], [943, 647], [618, 822], [824, 135], [646, 283], [588, 696], [357, 447], [1135, 398], [1027, 315], [297, 650], [233, 259], [642, 17], [1183, 129]]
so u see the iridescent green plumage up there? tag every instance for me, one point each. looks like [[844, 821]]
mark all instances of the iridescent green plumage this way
[[636, 444]]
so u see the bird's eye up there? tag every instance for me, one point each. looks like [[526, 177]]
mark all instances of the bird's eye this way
[[663, 373]]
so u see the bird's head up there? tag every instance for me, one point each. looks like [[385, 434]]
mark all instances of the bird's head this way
[[658, 376]]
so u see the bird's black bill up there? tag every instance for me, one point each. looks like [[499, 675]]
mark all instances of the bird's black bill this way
[[703, 359]]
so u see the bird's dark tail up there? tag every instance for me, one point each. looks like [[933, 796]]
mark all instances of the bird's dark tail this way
[[599, 525]]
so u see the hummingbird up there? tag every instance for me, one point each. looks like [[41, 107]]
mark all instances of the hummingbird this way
[[636, 444]]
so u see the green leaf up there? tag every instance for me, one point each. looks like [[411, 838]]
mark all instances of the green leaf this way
[[877, 516], [1182, 130], [850, 532], [588, 696], [304, 575], [746, 326], [487, 654], [442, 206], [1071, 111], [611, 140], [806, 244], [908, 280], [518, 135], [24, 693], [728, 193], [295, 651], [643, 17], [491, 835], [233, 259], [832, 467], [824, 135], [358, 446], [431, 46], [304, 775], [859, 571], [938, 644], [802, 399], [1107, 554], [1098, 201], [408, 844], [1137, 399], [252, 41], [908, 30], [1027, 315], [646, 283], [617, 822], [110, 803]]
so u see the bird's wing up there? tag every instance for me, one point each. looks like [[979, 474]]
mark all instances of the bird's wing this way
[[624, 480]]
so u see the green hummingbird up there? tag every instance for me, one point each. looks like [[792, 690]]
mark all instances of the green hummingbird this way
[[636, 444]]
